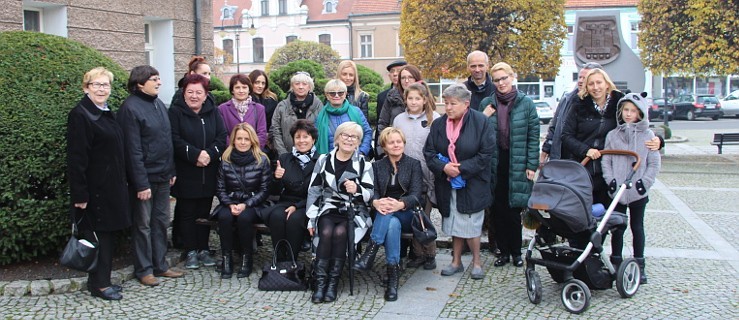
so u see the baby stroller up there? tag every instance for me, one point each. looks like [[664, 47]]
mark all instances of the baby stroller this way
[[561, 201]]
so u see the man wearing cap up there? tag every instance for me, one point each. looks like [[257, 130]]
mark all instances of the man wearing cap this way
[[479, 81], [393, 69]]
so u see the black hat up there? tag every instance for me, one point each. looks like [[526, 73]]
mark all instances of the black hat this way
[[396, 63]]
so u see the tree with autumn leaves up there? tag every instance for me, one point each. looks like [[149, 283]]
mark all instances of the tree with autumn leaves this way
[[438, 35], [698, 37]]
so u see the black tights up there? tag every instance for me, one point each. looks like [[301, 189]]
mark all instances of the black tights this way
[[332, 235], [244, 226], [292, 229], [636, 222]]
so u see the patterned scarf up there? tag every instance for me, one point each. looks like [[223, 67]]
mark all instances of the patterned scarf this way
[[304, 158], [242, 107]]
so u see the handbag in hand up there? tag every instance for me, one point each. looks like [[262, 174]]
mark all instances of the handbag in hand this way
[[283, 276], [80, 254], [423, 229]]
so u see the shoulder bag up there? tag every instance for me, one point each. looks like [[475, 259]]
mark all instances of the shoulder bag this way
[[80, 254]]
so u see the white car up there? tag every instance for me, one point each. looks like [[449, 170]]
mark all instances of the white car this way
[[730, 104], [544, 111]]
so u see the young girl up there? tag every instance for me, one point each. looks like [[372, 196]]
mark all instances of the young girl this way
[[631, 133], [415, 123]]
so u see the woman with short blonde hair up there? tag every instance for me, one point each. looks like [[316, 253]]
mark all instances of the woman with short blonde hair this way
[[339, 110]]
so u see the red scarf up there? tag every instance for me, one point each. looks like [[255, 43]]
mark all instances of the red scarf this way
[[452, 133]]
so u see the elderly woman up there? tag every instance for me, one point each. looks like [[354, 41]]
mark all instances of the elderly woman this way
[[301, 103], [339, 178], [398, 189], [286, 219], [458, 151], [338, 110], [199, 139], [97, 176], [348, 74], [243, 109], [243, 178], [516, 125]]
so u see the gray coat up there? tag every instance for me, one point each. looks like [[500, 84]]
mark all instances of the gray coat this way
[[283, 118]]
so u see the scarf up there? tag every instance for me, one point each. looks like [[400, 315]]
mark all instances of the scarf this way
[[304, 158], [301, 107], [323, 122], [242, 107], [505, 104], [452, 133], [242, 158]]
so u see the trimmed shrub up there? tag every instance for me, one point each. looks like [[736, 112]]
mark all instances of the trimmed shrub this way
[[281, 77], [42, 81], [372, 112], [217, 85], [368, 76], [308, 50], [372, 89], [221, 96]]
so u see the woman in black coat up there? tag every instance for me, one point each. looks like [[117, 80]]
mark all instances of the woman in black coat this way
[[97, 176], [286, 219], [243, 178], [199, 139]]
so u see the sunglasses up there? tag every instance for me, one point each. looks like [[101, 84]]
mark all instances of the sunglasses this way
[[336, 93]]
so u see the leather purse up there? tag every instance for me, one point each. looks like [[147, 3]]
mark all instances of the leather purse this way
[[80, 254], [423, 229], [283, 276]]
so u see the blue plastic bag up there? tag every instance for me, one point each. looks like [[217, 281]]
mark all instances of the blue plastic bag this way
[[457, 182]]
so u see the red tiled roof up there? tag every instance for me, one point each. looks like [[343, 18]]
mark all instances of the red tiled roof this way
[[599, 3], [375, 6], [218, 4], [315, 10]]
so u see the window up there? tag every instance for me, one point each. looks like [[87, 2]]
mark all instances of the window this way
[[329, 6], [570, 45], [31, 20], [289, 39], [228, 48], [258, 45], [635, 35], [401, 52], [265, 7], [324, 39], [365, 46], [148, 44], [283, 7]]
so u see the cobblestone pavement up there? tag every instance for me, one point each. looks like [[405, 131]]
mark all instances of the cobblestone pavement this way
[[692, 263]]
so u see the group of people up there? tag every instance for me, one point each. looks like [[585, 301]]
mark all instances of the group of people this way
[[315, 159]]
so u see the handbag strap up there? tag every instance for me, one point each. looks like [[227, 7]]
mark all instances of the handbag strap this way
[[75, 228], [417, 210], [274, 254]]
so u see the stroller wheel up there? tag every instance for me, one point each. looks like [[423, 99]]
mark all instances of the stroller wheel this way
[[533, 286], [575, 296], [627, 278]]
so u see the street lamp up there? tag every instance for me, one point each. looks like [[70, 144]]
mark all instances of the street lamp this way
[[227, 13]]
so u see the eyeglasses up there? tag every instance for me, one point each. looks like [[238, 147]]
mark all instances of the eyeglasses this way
[[155, 79], [500, 79], [336, 93], [349, 136], [407, 78], [99, 85]]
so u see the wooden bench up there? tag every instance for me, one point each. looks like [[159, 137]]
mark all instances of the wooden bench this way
[[264, 229], [721, 139]]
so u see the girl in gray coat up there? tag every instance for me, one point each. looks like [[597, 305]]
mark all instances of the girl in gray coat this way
[[631, 133]]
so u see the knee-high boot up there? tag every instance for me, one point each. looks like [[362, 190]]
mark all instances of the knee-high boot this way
[[321, 273], [367, 259], [393, 275], [228, 265], [334, 274]]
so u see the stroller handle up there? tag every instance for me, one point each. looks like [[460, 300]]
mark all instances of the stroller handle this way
[[618, 152]]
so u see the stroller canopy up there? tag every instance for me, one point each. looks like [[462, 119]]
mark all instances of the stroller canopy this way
[[565, 188]]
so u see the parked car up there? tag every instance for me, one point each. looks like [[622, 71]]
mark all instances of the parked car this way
[[692, 106], [730, 105], [657, 108], [544, 111]]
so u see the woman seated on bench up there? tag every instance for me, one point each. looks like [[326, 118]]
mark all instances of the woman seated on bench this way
[[243, 178], [286, 219], [398, 188]]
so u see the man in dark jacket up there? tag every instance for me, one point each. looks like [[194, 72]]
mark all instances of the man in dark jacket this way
[[479, 82], [151, 172]]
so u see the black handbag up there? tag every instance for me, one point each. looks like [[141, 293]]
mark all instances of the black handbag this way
[[283, 276], [80, 254], [423, 229]]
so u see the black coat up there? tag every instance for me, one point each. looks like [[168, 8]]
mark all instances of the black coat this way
[[409, 176], [586, 128], [474, 149], [293, 187], [479, 93], [254, 178], [270, 105], [192, 133], [97, 167]]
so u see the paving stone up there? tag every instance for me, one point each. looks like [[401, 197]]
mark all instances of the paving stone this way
[[40, 287], [61, 285], [16, 288]]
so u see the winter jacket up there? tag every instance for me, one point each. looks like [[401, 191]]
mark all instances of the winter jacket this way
[[336, 120], [245, 184], [479, 93], [284, 118], [394, 105], [409, 176], [553, 142], [192, 133], [474, 149], [293, 187], [97, 167], [416, 133], [148, 136], [270, 105], [586, 128], [361, 102], [327, 192], [254, 116], [632, 137], [524, 147]]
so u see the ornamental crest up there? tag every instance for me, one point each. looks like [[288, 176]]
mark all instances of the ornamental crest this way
[[597, 39]]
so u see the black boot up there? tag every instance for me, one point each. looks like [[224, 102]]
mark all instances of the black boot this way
[[321, 273], [228, 265], [367, 259], [643, 277], [616, 261], [393, 274], [334, 274], [246, 264]]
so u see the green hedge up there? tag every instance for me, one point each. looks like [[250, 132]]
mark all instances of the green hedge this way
[[41, 82]]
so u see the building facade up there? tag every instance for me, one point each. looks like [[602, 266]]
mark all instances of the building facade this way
[[164, 33]]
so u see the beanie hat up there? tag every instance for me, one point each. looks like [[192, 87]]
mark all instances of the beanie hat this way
[[639, 100]]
